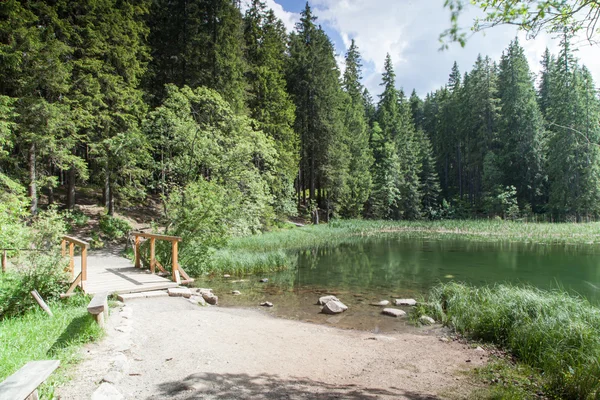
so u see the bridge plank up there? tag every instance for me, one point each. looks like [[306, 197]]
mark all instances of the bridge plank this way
[[25, 381]]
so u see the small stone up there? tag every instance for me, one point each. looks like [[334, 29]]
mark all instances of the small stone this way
[[444, 339], [381, 303], [425, 320], [480, 349], [180, 292], [266, 304], [323, 300], [112, 377], [226, 276], [334, 307], [107, 391], [264, 280], [405, 302], [393, 312], [236, 292], [210, 298]]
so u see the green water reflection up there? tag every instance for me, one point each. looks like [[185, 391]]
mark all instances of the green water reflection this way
[[380, 268]]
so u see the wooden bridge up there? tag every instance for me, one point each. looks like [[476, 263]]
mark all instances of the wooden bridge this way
[[106, 270]]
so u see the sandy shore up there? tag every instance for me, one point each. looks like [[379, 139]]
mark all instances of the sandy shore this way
[[169, 348]]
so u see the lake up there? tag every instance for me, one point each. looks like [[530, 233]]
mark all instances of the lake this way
[[387, 267]]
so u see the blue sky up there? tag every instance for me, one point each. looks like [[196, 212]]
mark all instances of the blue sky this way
[[409, 31]]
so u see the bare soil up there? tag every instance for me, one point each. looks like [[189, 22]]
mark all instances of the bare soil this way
[[169, 348]]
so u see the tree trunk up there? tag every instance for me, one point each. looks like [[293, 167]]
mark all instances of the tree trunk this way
[[106, 192], [32, 177], [71, 189], [50, 195], [111, 201]]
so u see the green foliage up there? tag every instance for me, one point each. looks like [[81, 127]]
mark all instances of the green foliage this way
[[114, 228], [551, 331], [36, 336]]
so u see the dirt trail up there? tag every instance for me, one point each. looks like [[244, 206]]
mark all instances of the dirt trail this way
[[169, 348]]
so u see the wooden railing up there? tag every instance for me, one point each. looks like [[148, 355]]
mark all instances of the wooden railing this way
[[81, 278], [176, 271]]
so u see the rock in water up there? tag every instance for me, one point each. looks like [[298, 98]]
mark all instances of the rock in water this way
[[381, 303], [210, 298], [236, 292], [334, 307], [425, 320], [393, 312], [405, 302], [267, 304], [323, 300]]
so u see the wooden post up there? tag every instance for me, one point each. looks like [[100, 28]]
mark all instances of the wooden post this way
[[4, 261], [72, 259], [152, 255], [41, 302], [63, 247], [137, 252], [175, 262], [83, 267]]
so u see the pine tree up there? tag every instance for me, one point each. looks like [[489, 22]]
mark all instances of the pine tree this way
[[357, 138], [429, 180], [521, 132], [268, 101]]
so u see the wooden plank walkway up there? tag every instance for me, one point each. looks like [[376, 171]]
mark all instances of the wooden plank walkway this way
[[107, 271]]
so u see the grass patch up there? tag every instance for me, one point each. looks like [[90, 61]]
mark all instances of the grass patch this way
[[273, 251], [37, 336], [554, 333]]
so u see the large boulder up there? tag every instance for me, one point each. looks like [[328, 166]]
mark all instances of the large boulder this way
[[334, 307], [323, 300], [393, 312], [405, 302]]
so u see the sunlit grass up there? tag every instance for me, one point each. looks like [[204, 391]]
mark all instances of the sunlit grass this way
[[37, 336], [554, 332]]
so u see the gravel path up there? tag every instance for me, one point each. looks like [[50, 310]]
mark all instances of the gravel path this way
[[169, 348]]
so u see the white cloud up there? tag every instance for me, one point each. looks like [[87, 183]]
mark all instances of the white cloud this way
[[409, 31]]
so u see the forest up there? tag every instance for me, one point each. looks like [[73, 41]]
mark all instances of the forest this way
[[236, 122]]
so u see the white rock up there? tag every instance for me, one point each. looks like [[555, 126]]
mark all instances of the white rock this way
[[266, 304], [323, 300], [479, 349], [425, 320], [405, 302], [107, 391], [236, 292], [381, 303], [334, 307], [199, 300], [393, 312], [226, 276], [180, 292]]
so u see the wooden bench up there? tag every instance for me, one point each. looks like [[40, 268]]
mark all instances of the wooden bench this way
[[23, 384], [98, 307]]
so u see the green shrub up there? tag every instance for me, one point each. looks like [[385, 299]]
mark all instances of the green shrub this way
[[552, 331], [114, 228], [77, 218]]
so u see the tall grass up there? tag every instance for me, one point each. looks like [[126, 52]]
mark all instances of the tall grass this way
[[552, 331], [273, 251], [36, 336]]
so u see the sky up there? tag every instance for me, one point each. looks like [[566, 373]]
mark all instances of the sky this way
[[409, 30]]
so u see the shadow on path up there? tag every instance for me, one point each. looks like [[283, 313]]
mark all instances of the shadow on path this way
[[243, 386]]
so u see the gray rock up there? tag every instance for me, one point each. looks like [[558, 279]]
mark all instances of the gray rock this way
[[381, 303], [210, 298], [107, 391], [405, 302], [393, 312], [334, 307], [203, 290], [425, 320], [266, 304], [236, 292], [480, 349], [180, 292], [112, 377], [323, 300], [198, 300]]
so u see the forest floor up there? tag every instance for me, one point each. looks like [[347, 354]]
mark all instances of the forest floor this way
[[169, 348]]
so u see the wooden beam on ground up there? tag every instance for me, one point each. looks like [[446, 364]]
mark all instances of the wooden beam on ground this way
[[23, 384], [41, 302], [98, 307]]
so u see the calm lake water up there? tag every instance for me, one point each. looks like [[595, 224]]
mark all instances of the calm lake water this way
[[383, 268]]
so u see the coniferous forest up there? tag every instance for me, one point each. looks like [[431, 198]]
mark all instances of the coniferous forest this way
[[226, 115]]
